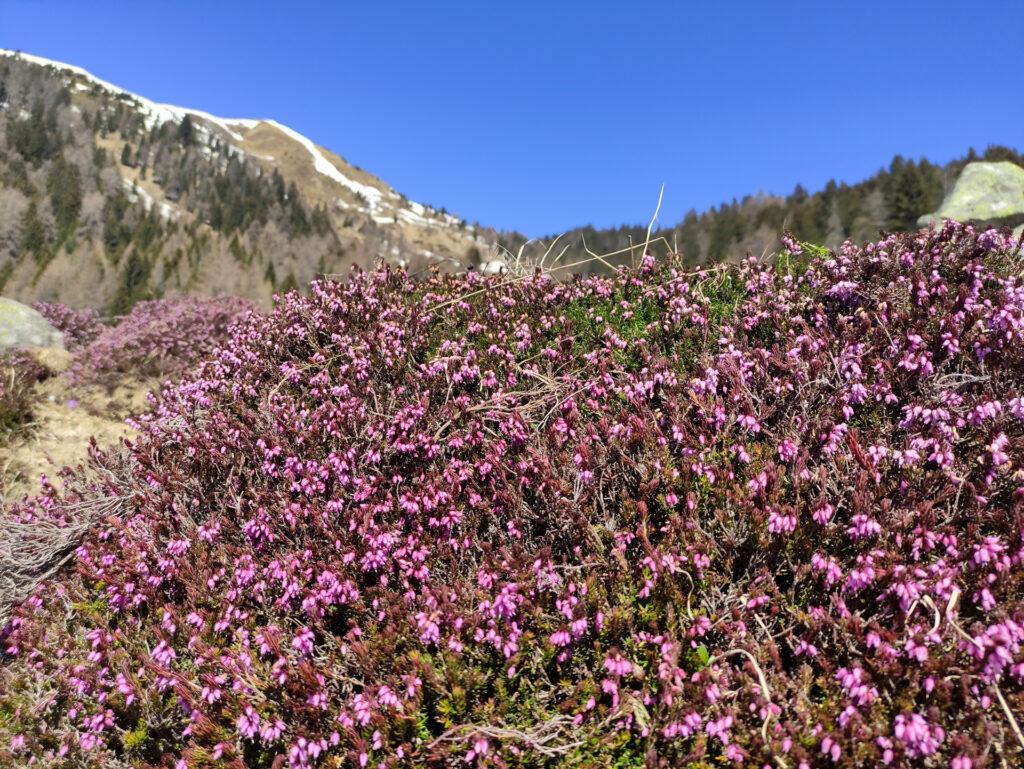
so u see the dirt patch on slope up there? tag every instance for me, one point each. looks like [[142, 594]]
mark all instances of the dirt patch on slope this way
[[63, 421]]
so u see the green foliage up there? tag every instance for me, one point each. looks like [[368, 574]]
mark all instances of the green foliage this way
[[64, 184], [134, 284], [15, 174], [116, 231], [36, 138], [911, 190], [33, 238], [186, 131], [320, 222], [290, 283], [893, 199]]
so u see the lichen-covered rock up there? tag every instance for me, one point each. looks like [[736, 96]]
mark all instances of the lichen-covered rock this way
[[984, 192], [21, 327]]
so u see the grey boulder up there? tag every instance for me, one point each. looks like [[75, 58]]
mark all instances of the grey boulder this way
[[22, 327], [983, 192]]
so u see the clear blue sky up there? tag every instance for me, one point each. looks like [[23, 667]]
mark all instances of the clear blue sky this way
[[540, 116]]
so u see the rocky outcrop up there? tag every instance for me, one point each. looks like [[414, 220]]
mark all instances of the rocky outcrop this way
[[985, 192], [22, 327]]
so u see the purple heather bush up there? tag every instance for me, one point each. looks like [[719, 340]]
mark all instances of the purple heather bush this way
[[79, 327], [158, 338], [769, 515]]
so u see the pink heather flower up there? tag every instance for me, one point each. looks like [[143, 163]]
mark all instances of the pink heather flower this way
[[720, 729], [863, 527], [272, 732], [303, 641], [690, 725], [781, 524], [617, 665], [787, 450], [852, 681], [830, 748], [163, 654], [988, 550], [749, 423], [822, 514], [805, 648], [878, 453], [999, 457], [430, 631], [561, 638], [918, 736], [125, 688], [480, 749], [248, 723]]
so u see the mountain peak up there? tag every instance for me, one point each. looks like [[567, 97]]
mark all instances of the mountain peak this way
[[247, 182]]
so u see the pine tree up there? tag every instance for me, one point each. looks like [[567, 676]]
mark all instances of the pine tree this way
[[33, 232], [290, 283], [64, 183], [35, 137], [906, 195], [126, 155], [186, 131]]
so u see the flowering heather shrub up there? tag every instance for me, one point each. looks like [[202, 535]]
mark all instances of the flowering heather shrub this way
[[766, 516], [162, 337], [79, 327]]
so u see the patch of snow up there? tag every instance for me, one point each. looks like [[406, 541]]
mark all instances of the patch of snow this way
[[135, 192], [324, 166], [155, 112]]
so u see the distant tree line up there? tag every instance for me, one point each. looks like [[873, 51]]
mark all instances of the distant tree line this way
[[892, 199]]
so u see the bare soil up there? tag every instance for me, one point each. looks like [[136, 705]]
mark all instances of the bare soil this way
[[64, 419]]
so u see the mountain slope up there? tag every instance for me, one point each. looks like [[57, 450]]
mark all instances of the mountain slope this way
[[107, 197]]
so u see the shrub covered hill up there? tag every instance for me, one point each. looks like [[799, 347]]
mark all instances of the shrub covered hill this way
[[764, 515], [107, 198]]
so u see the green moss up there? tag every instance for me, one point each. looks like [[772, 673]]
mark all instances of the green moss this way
[[135, 739]]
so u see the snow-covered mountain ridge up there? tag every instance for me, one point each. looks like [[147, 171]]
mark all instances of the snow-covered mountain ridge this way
[[241, 205], [378, 199]]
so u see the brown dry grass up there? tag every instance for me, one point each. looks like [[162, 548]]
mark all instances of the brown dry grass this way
[[63, 422]]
